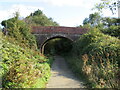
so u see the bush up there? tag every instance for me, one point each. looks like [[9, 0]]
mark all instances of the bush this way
[[97, 56], [20, 31], [23, 68], [96, 42]]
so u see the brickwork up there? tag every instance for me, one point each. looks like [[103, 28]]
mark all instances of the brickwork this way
[[57, 29], [45, 33]]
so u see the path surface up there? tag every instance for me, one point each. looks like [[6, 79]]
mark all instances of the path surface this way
[[61, 76]]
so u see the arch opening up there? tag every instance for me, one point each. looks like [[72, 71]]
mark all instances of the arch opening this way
[[57, 45]]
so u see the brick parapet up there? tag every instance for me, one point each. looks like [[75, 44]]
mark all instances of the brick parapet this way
[[58, 29]]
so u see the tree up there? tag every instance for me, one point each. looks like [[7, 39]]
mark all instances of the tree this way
[[96, 20], [19, 30], [93, 20], [38, 12], [39, 19], [112, 5], [111, 26], [107, 21], [85, 21]]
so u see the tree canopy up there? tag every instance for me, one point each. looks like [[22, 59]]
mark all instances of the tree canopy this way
[[112, 5], [39, 19], [107, 25], [93, 20]]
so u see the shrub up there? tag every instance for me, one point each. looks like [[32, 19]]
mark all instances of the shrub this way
[[23, 68], [20, 31], [102, 73], [97, 55], [96, 42]]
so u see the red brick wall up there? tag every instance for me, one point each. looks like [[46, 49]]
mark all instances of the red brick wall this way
[[58, 29]]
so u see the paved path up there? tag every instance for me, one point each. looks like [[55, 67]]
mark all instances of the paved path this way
[[61, 76]]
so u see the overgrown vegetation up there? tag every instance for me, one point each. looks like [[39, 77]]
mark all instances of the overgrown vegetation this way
[[107, 25], [112, 30], [39, 19], [19, 31], [96, 56], [22, 65], [58, 45]]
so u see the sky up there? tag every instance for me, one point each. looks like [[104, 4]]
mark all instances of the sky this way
[[65, 12]]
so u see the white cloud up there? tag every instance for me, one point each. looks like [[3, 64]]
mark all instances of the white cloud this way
[[64, 2], [23, 9], [26, 10], [74, 3], [73, 22], [3, 14], [80, 3]]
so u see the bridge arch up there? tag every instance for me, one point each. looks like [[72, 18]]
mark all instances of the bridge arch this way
[[42, 47], [45, 33]]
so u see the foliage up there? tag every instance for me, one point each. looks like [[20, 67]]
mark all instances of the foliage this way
[[96, 20], [62, 46], [23, 68], [58, 46], [20, 31], [96, 55], [107, 21], [36, 13], [93, 20], [112, 30], [22, 64], [39, 19], [112, 5], [111, 26], [101, 72], [107, 25]]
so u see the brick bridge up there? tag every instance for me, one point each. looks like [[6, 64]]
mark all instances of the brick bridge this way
[[45, 33]]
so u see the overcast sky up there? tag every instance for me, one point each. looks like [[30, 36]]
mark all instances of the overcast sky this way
[[65, 12]]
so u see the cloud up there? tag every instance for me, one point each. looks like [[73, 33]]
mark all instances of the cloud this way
[[23, 9], [75, 3], [73, 22], [64, 2], [20, 0], [3, 14]]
